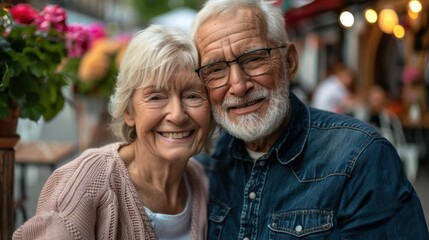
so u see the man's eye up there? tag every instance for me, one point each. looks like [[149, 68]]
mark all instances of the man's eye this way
[[253, 58], [256, 59], [192, 97], [215, 68]]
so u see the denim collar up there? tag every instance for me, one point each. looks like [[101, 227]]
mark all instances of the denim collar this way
[[290, 143]]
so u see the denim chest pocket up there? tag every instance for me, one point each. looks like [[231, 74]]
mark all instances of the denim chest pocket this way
[[217, 214], [301, 222]]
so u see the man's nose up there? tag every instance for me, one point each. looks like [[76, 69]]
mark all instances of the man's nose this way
[[239, 82]]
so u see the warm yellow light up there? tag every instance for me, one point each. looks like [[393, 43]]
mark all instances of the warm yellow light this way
[[398, 31], [387, 19], [415, 6], [371, 15], [413, 15], [347, 19]]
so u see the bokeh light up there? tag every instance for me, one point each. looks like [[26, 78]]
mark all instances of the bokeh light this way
[[387, 20], [371, 15], [347, 19]]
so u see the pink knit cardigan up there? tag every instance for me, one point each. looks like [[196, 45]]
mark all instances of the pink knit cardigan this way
[[92, 197]]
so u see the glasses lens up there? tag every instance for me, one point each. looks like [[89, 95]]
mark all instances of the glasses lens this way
[[252, 63], [215, 75], [255, 63]]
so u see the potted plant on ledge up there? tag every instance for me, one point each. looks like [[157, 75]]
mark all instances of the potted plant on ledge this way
[[32, 45]]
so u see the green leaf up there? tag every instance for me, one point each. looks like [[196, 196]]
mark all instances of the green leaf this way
[[5, 78], [22, 84], [31, 111]]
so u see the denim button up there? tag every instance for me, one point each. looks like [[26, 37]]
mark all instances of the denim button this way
[[262, 163], [298, 228], [252, 195], [246, 238]]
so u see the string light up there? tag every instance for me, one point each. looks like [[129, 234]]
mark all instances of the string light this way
[[371, 15], [387, 20], [415, 6], [347, 19], [398, 31]]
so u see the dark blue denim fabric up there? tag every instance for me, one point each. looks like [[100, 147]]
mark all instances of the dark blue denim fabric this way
[[328, 177]]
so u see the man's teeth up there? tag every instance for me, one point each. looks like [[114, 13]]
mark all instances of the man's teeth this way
[[247, 104], [176, 135], [251, 103]]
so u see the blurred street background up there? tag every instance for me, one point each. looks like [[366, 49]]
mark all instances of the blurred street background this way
[[382, 44]]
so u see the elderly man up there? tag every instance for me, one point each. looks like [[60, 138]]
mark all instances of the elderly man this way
[[281, 170]]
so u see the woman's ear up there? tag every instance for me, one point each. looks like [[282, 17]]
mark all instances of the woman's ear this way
[[292, 61], [129, 118]]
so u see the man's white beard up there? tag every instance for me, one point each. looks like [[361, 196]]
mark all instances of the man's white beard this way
[[252, 126]]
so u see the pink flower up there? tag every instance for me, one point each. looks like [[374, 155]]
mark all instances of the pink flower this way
[[23, 13], [77, 40], [52, 16], [96, 31]]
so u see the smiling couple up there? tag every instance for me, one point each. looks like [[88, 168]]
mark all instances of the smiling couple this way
[[277, 169]]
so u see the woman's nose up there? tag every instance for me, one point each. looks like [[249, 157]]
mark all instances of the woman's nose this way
[[176, 112]]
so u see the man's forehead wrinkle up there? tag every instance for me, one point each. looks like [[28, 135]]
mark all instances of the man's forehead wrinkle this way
[[214, 52], [214, 38], [246, 30]]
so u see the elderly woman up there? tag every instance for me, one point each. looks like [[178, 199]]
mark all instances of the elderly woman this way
[[145, 186]]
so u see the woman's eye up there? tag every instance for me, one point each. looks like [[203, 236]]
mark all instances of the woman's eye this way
[[156, 97], [193, 99], [194, 95]]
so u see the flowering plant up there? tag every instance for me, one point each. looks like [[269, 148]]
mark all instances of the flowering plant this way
[[93, 59], [32, 45]]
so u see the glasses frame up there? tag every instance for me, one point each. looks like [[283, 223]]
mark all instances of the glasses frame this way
[[228, 64]]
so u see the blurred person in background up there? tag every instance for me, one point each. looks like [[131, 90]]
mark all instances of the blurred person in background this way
[[279, 169], [413, 96], [336, 93], [378, 106], [145, 186], [387, 122]]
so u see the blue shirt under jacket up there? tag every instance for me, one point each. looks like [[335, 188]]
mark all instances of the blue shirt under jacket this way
[[328, 176]]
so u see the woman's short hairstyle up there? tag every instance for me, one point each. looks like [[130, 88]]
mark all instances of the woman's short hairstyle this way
[[154, 54], [272, 16]]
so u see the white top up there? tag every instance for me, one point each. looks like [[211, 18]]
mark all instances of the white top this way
[[255, 155], [329, 95], [177, 226]]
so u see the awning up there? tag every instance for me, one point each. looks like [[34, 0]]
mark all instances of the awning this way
[[294, 15]]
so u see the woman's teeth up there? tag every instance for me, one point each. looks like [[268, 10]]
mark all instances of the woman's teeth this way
[[176, 135]]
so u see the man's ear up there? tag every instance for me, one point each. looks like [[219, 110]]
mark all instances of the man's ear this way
[[292, 61]]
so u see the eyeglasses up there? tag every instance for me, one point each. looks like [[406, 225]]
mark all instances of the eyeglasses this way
[[253, 63]]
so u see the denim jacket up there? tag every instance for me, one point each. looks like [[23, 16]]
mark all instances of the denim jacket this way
[[328, 176]]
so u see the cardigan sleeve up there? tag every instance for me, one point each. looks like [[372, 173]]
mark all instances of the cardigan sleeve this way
[[69, 201], [47, 225]]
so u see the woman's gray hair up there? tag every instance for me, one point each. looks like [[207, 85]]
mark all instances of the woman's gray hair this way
[[272, 17], [155, 53]]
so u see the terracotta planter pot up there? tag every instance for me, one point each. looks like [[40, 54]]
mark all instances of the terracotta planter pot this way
[[8, 125]]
